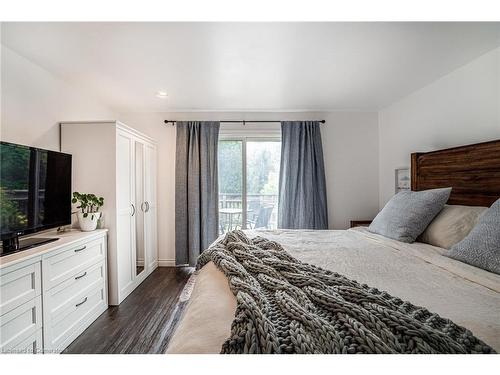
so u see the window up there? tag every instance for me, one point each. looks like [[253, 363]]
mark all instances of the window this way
[[248, 183]]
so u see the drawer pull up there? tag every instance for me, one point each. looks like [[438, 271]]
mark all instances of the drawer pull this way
[[80, 249], [82, 275], [81, 303]]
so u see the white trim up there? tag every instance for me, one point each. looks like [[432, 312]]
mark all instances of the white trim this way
[[251, 130], [261, 110], [89, 122], [136, 133], [248, 132], [243, 183], [166, 262]]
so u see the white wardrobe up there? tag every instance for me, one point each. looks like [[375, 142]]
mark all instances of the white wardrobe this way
[[119, 163]]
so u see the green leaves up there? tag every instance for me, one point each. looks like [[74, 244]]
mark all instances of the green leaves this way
[[88, 203]]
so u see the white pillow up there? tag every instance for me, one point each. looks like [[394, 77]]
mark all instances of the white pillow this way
[[451, 225]]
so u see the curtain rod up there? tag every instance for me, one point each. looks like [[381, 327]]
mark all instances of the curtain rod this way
[[238, 121]]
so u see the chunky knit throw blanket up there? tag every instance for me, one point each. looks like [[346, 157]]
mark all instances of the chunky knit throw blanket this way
[[286, 306]]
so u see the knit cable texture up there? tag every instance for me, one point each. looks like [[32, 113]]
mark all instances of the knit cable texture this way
[[286, 306]]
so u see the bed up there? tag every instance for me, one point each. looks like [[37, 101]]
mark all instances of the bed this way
[[417, 272]]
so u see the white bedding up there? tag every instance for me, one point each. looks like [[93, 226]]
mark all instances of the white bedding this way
[[415, 272]]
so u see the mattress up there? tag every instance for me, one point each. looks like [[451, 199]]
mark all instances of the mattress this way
[[418, 273]]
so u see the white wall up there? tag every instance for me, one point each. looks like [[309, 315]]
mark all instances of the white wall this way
[[360, 157], [350, 151], [462, 107], [350, 147], [33, 101]]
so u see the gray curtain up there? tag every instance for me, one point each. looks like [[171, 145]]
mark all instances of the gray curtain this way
[[302, 185], [196, 189]]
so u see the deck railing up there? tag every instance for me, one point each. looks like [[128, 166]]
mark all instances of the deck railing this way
[[256, 205], [229, 200]]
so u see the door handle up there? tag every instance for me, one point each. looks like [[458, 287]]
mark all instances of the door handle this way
[[147, 206], [133, 209], [142, 207], [81, 303]]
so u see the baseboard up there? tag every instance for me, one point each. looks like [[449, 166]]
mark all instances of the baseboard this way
[[166, 262]]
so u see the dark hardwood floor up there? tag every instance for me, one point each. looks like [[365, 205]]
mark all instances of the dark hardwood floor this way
[[143, 323]]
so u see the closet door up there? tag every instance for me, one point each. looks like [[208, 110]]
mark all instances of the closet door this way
[[151, 207], [140, 224], [126, 211]]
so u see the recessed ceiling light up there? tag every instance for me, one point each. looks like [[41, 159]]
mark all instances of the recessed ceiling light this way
[[161, 94]]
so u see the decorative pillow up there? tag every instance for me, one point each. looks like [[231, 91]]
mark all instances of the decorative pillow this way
[[408, 213], [451, 225], [481, 248]]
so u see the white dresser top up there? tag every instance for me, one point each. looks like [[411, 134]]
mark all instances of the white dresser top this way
[[64, 239]]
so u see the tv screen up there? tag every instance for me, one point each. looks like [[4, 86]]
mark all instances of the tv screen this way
[[35, 189]]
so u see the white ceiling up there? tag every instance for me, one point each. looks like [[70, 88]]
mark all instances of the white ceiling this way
[[250, 66]]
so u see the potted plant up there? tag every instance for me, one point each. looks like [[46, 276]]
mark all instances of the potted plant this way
[[88, 213]]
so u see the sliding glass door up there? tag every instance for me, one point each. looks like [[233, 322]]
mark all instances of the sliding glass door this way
[[248, 183], [230, 185]]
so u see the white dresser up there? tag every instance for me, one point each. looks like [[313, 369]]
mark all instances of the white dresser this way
[[50, 294]]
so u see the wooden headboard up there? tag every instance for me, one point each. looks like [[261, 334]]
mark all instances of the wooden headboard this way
[[473, 171]]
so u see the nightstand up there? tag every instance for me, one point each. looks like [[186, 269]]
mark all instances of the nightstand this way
[[360, 223]]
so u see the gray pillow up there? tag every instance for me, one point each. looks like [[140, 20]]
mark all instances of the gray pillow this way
[[481, 247], [408, 213]]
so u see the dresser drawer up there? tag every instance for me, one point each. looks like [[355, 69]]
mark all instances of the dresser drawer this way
[[19, 284], [68, 261], [71, 319], [56, 299], [18, 325], [32, 345]]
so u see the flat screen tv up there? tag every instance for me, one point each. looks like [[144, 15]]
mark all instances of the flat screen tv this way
[[35, 192]]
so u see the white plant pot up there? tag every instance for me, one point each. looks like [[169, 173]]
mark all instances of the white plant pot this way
[[89, 223]]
